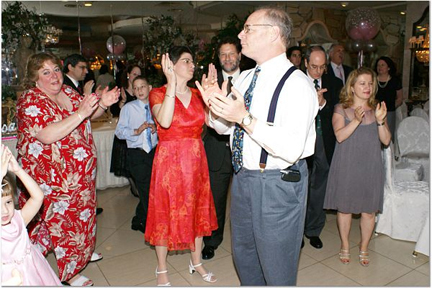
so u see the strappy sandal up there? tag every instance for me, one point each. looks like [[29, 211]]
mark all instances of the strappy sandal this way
[[344, 256], [162, 272], [209, 277], [81, 281], [364, 258]]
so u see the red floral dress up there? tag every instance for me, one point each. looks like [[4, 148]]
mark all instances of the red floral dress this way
[[181, 205], [66, 172]]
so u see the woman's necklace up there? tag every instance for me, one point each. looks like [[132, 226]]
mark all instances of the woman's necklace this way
[[186, 90], [383, 86]]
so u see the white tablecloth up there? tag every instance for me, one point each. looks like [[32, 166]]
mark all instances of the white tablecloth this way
[[103, 134]]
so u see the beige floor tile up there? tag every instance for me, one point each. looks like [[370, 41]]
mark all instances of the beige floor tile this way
[[117, 211], [122, 242], [400, 251], [107, 194], [226, 242], [175, 279], [130, 269], [331, 246], [320, 275], [222, 268], [425, 269], [381, 270], [102, 234], [306, 261], [94, 273], [331, 226], [412, 279]]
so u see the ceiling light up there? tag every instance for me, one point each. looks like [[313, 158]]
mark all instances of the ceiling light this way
[[88, 4], [402, 12], [344, 4]]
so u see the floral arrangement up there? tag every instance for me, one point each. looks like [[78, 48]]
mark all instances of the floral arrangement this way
[[18, 21]]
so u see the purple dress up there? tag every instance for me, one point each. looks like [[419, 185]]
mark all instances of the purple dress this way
[[18, 252]]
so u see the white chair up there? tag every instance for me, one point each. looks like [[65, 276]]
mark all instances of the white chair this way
[[422, 245], [400, 114], [406, 205], [413, 138], [426, 107], [420, 113]]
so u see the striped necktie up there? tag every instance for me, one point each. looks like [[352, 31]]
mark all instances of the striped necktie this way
[[237, 146], [148, 130]]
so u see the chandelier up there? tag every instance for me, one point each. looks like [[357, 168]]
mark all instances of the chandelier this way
[[421, 46], [52, 34]]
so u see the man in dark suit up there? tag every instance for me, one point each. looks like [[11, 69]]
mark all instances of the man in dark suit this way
[[217, 146], [336, 68], [328, 88], [75, 70]]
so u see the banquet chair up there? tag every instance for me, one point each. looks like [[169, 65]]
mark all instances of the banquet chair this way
[[406, 204], [420, 113], [426, 107], [401, 113], [422, 245], [413, 139]]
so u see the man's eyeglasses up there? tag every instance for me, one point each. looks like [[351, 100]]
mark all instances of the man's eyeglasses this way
[[316, 68], [246, 27]]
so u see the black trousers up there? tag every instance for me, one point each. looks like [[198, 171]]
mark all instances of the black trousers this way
[[140, 167], [315, 213], [219, 183]]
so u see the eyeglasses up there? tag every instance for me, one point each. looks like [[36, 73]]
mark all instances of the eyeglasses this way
[[321, 68], [246, 27]]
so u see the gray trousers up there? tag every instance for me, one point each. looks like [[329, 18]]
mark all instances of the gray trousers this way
[[267, 221], [315, 215]]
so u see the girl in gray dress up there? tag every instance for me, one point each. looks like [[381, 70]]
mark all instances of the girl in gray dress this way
[[356, 176]]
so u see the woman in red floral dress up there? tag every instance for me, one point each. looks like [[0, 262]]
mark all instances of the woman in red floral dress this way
[[55, 146], [181, 207]]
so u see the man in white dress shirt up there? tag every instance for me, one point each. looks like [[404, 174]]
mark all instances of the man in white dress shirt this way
[[267, 213]]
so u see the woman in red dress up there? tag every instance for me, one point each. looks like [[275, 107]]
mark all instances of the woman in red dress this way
[[181, 207], [55, 146]]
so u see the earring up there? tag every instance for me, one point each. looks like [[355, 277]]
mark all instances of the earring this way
[[128, 77]]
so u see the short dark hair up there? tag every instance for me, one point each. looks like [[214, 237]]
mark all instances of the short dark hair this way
[[311, 49], [230, 40], [141, 77], [72, 60], [389, 63], [292, 49], [176, 51]]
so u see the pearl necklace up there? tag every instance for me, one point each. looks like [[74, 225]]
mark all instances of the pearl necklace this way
[[185, 91], [385, 85]]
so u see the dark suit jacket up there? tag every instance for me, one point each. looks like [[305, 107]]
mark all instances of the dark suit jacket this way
[[215, 144], [67, 81], [333, 86], [347, 71]]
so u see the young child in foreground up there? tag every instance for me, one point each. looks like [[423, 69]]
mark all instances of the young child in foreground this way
[[20, 258]]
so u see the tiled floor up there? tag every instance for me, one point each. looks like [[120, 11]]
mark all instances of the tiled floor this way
[[128, 261]]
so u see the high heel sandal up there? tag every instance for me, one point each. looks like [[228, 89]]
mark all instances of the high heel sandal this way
[[344, 256], [161, 272], [364, 258], [209, 277]]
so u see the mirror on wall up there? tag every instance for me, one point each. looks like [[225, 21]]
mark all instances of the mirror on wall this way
[[419, 44]]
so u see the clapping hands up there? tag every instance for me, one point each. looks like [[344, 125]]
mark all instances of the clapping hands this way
[[381, 112], [8, 161]]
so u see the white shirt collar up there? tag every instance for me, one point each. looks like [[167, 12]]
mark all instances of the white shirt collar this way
[[76, 83], [235, 75]]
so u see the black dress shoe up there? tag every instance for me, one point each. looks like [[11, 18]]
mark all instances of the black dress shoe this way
[[315, 241], [208, 252], [302, 244], [99, 210], [139, 227]]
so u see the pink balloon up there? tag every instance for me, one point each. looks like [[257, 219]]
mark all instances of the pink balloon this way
[[116, 45], [363, 23], [355, 33]]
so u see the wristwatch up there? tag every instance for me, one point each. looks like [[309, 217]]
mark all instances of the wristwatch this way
[[246, 121]]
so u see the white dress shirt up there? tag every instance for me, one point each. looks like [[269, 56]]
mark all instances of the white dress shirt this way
[[336, 71], [292, 137], [235, 76]]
